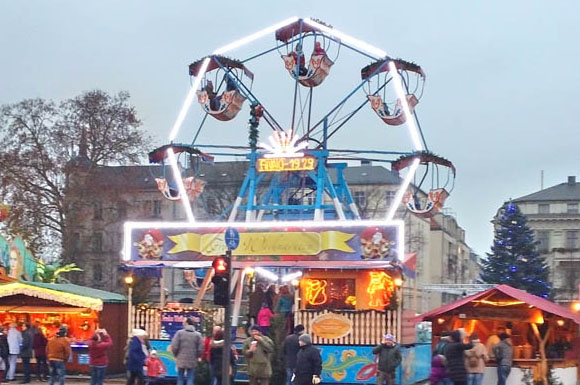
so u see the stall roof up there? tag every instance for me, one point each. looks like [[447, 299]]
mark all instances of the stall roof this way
[[105, 296], [530, 299]]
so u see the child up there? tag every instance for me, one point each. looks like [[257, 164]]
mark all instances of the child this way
[[155, 367], [264, 316], [438, 375]]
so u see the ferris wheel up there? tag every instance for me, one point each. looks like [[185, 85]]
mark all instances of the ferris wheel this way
[[298, 172]]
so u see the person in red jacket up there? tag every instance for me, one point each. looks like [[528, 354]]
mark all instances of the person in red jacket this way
[[155, 367], [99, 346]]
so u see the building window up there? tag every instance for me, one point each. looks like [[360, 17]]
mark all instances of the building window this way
[[543, 208], [97, 272], [360, 198], [156, 208], [543, 238], [572, 208], [390, 197], [97, 242], [97, 211], [572, 239]]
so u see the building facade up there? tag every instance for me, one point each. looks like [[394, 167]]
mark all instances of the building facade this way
[[553, 214]]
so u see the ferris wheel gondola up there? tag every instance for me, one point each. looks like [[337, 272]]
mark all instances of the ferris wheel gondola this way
[[166, 182], [319, 63], [226, 105], [393, 115], [414, 199]]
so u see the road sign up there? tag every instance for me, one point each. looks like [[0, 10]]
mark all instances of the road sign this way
[[232, 238]]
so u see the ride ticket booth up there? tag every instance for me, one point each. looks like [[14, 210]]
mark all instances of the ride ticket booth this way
[[81, 309], [545, 335]]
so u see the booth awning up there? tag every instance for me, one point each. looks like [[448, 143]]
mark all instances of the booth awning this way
[[19, 288], [516, 294]]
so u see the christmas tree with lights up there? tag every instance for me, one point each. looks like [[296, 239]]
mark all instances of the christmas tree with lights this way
[[514, 259]]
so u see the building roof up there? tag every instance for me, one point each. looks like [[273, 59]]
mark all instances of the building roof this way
[[568, 191], [529, 299]]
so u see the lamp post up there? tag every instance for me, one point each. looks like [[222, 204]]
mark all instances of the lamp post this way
[[129, 282]]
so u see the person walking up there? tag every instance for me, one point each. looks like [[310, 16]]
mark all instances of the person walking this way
[[475, 359], [389, 358], [258, 349], [455, 356], [14, 341], [290, 349], [99, 346], [308, 362], [137, 352], [58, 352], [26, 351], [503, 352], [187, 347], [39, 342]]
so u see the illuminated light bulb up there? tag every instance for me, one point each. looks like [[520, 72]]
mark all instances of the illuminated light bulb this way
[[129, 279], [560, 322], [440, 321], [576, 306], [295, 282], [398, 282]]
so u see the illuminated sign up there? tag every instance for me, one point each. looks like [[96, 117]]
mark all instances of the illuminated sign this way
[[380, 289], [283, 145], [315, 290], [307, 163]]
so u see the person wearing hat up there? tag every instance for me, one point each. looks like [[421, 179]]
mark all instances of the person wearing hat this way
[[136, 354], [308, 362], [389, 358], [58, 352], [187, 347], [291, 347], [155, 367], [257, 350]]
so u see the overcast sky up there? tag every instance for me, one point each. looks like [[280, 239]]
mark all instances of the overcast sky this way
[[500, 98]]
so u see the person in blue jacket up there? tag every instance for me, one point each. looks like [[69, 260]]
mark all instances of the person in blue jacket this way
[[136, 355]]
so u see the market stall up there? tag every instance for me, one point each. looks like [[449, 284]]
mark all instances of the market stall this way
[[81, 309], [544, 334]]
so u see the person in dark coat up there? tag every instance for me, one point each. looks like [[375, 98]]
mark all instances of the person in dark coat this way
[[187, 347], [454, 354], [136, 357], [4, 349], [39, 342], [503, 352], [290, 349], [256, 299], [216, 355], [308, 363], [389, 360], [26, 351]]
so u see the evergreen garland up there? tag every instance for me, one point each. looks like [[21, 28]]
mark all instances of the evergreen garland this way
[[514, 259]]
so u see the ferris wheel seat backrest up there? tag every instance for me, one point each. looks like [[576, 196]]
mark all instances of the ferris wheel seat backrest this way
[[193, 188], [398, 116], [433, 203], [229, 103], [318, 69]]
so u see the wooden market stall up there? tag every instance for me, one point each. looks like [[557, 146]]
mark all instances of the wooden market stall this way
[[544, 334], [81, 309]]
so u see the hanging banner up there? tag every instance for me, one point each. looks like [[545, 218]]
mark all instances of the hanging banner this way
[[373, 241]]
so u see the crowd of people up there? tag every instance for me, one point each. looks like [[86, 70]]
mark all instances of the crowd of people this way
[[459, 360], [26, 341]]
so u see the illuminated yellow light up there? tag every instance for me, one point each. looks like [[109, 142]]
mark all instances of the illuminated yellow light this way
[[576, 306], [283, 145], [350, 300], [398, 282], [499, 303], [380, 289], [129, 279], [249, 271], [538, 319], [315, 291], [440, 321], [560, 322], [295, 282], [286, 164]]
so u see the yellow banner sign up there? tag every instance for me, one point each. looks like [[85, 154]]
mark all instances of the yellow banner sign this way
[[264, 243]]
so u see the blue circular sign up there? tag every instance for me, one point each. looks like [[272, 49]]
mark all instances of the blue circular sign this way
[[232, 238]]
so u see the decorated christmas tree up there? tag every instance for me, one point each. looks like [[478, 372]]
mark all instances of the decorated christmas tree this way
[[514, 259]]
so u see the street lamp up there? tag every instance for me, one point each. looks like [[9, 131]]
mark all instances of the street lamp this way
[[129, 282]]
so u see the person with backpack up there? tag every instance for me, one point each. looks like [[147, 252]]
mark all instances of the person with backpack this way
[[475, 359], [454, 354]]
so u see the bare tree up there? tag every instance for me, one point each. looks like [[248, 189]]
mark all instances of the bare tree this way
[[43, 145]]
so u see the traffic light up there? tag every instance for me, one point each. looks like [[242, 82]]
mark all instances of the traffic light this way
[[221, 281]]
